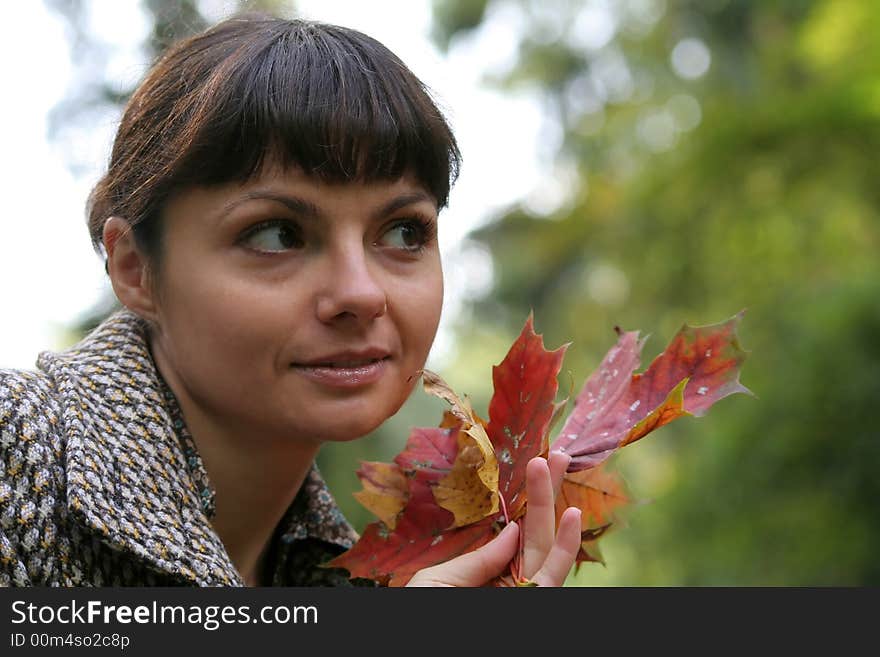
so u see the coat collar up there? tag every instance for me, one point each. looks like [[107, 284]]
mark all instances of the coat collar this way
[[128, 477]]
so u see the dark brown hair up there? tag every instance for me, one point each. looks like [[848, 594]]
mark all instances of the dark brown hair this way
[[215, 107]]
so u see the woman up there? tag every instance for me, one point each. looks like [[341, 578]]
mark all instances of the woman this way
[[269, 221]]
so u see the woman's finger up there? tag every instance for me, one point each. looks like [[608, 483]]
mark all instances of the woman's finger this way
[[561, 557], [474, 568], [540, 518], [558, 462]]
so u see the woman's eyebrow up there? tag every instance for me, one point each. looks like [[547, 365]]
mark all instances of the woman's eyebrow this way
[[400, 202], [308, 210], [301, 207]]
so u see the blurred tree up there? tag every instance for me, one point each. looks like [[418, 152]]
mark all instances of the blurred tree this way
[[721, 155]]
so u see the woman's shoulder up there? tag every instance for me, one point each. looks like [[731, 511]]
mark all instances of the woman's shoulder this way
[[27, 396], [114, 349], [31, 436], [31, 472]]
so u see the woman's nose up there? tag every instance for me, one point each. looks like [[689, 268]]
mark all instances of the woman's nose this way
[[351, 289]]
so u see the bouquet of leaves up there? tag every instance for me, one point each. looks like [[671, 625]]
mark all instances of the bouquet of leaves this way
[[453, 487]]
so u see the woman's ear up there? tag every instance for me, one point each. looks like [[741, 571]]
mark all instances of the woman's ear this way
[[128, 269]]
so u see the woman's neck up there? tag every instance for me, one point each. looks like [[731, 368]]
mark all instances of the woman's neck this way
[[254, 487], [255, 476]]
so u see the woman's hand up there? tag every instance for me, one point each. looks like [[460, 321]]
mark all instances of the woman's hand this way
[[548, 555]]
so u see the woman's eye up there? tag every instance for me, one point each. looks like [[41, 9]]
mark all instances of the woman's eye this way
[[273, 237], [406, 235]]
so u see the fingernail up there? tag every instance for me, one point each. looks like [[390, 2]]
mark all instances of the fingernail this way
[[563, 454], [507, 528]]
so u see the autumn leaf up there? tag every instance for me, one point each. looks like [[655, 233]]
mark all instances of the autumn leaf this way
[[440, 497], [521, 411], [423, 534], [616, 407], [385, 490], [426, 532], [598, 493], [470, 490]]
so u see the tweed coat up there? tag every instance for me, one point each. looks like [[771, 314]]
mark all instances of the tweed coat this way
[[101, 484]]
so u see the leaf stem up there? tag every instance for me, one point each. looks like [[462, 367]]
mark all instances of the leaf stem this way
[[504, 508], [516, 562]]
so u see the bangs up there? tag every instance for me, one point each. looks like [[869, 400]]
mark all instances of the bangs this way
[[331, 101]]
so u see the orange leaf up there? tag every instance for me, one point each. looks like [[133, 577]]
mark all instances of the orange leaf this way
[[598, 493]]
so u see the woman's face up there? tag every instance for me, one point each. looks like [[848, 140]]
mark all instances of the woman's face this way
[[288, 307]]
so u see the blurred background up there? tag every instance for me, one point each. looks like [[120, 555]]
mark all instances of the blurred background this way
[[640, 163]]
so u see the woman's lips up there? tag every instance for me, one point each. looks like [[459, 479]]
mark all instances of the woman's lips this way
[[344, 374]]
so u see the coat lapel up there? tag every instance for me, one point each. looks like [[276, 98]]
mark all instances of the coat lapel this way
[[127, 477]]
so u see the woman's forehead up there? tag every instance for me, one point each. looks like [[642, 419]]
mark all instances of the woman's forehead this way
[[304, 194], [276, 176]]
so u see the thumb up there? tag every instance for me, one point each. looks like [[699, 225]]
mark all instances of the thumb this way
[[474, 568]]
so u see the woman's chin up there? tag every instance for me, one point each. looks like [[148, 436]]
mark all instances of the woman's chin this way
[[341, 420], [341, 429]]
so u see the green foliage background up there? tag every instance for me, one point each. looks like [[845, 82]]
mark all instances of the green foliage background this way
[[770, 203]]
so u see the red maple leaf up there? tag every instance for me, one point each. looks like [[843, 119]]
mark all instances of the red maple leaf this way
[[616, 407], [452, 488], [520, 411]]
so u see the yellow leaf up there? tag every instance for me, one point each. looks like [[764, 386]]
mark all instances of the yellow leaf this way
[[470, 490], [385, 490]]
